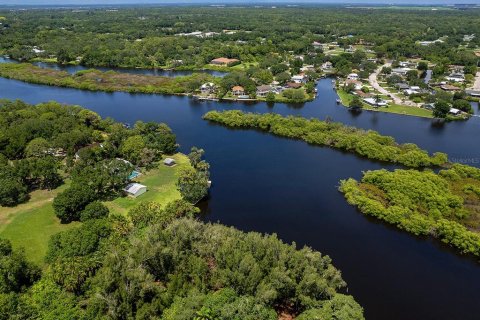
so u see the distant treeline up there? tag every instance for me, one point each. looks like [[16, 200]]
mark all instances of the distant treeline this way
[[147, 37]]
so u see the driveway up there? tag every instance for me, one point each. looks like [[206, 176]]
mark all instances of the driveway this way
[[372, 79]]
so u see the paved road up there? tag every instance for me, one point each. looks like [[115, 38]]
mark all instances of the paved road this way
[[476, 85], [372, 79]]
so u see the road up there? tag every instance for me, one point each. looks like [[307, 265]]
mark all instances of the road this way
[[372, 79], [476, 85]]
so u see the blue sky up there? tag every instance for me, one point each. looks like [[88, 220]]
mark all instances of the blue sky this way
[[83, 2]]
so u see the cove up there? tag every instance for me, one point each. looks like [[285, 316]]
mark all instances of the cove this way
[[270, 184]]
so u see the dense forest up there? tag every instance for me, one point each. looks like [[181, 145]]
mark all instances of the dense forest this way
[[369, 144], [151, 37], [444, 205]]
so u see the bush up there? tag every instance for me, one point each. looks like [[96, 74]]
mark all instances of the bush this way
[[94, 210], [69, 204]]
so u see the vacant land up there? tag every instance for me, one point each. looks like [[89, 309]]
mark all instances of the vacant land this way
[[31, 224]]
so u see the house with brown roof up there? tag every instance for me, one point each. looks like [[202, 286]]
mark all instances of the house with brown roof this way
[[448, 87], [238, 91], [293, 85], [224, 61]]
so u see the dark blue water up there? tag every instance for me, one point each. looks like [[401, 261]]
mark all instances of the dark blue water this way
[[153, 72], [270, 184]]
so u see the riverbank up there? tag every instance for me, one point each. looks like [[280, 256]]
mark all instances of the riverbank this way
[[113, 81], [346, 98], [109, 81]]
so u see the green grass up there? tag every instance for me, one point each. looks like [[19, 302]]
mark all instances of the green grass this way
[[31, 224], [161, 186], [392, 108]]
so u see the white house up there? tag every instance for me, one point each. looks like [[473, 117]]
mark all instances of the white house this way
[[401, 71], [352, 76], [299, 78], [456, 77], [374, 102], [327, 65], [454, 111], [135, 189], [207, 88], [169, 162]]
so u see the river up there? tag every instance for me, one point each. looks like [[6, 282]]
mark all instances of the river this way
[[270, 184]]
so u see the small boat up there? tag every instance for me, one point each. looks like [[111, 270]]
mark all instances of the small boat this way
[[338, 101]]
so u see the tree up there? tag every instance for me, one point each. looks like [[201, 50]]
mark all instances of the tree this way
[[195, 156], [64, 56], [263, 76], [132, 148], [193, 185], [283, 77], [463, 105], [422, 66], [12, 192], [69, 204], [386, 70], [37, 147], [16, 273], [94, 210], [294, 95], [441, 109], [356, 103], [270, 97]]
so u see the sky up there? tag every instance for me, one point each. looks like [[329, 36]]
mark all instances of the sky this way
[[108, 2]]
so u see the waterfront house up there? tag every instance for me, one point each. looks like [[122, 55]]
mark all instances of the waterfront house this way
[[238, 91], [357, 84], [455, 111], [327, 66], [299, 78], [135, 189], [224, 61], [263, 90], [376, 103], [473, 93], [169, 162], [208, 88]]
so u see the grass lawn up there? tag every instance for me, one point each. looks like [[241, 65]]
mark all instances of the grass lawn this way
[[392, 108], [31, 224], [161, 186]]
